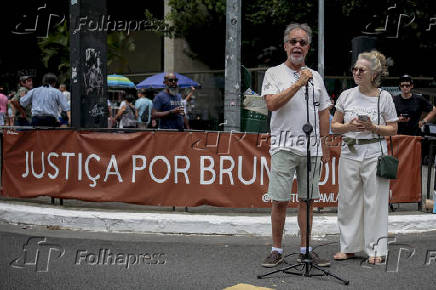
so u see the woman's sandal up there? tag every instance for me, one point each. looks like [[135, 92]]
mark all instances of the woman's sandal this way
[[343, 256], [376, 260]]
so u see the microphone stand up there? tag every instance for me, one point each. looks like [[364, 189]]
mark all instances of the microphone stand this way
[[307, 261]]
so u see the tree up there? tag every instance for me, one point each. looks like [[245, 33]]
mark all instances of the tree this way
[[202, 24], [55, 50]]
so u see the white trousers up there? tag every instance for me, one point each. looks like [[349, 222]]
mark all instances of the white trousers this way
[[362, 207]]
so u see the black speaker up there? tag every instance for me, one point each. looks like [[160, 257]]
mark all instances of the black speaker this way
[[361, 44]]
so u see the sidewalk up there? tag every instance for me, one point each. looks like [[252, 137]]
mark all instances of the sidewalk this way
[[204, 220]]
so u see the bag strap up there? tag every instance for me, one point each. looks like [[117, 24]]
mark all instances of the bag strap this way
[[378, 121]]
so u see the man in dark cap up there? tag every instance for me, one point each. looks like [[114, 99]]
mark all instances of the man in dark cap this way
[[411, 108], [47, 101]]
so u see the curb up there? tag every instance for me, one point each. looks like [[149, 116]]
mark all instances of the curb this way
[[186, 223]]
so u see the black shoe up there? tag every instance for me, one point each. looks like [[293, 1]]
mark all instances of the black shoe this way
[[316, 260], [273, 259]]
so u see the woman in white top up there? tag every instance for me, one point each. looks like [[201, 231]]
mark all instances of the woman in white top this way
[[363, 196], [127, 115]]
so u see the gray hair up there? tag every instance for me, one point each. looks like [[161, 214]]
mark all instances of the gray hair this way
[[303, 27], [378, 65]]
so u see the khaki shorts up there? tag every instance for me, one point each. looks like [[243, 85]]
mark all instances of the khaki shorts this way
[[284, 165]]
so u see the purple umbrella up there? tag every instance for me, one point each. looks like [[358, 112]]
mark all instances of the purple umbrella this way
[[156, 82]]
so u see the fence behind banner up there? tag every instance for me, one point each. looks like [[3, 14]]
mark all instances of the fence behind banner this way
[[164, 168]]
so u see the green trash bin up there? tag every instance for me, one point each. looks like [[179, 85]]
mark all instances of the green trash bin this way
[[253, 122]]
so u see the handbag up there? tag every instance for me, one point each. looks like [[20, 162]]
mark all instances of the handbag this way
[[387, 165]]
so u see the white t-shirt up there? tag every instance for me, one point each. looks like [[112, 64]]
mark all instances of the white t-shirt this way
[[353, 103], [67, 95], [288, 121]]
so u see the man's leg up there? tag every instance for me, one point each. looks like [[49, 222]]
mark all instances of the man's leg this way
[[280, 183], [278, 217]]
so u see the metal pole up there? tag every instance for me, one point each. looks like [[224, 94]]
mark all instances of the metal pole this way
[[321, 37], [232, 90]]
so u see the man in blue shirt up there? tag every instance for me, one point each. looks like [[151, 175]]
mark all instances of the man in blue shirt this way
[[46, 102], [167, 105], [143, 105]]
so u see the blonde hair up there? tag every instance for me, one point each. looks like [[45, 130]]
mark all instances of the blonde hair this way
[[377, 64]]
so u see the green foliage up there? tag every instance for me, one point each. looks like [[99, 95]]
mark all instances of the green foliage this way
[[202, 24], [118, 43], [55, 50]]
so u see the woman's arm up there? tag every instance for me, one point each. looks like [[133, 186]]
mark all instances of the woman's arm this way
[[120, 112], [389, 129], [338, 126]]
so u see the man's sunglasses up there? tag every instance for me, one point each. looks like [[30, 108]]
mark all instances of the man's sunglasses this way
[[294, 41], [172, 80], [405, 86]]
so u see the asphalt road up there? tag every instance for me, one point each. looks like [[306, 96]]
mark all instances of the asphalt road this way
[[40, 258]]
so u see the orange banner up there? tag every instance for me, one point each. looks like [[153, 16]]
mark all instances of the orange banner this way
[[168, 168]]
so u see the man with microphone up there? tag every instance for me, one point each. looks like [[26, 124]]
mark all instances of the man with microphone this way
[[284, 90]]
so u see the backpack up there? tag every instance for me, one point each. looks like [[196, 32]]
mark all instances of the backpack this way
[[145, 115], [128, 117]]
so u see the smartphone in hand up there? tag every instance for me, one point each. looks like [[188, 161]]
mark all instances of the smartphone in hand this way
[[363, 118]]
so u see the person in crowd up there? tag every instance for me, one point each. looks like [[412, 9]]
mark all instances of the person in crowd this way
[[111, 123], [149, 94], [143, 105], [11, 109], [63, 119], [127, 114], [364, 113], [67, 94], [167, 105], [22, 115], [411, 108], [46, 101], [185, 102], [283, 89], [3, 107]]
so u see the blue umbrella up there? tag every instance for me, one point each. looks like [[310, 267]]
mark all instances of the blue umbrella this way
[[119, 81], [156, 82]]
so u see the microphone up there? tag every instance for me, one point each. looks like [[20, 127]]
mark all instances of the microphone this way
[[311, 78]]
